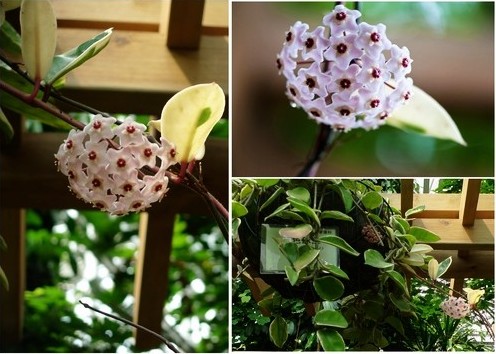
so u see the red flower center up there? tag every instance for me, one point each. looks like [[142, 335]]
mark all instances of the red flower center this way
[[97, 125], [158, 188], [128, 187], [92, 155], [405, 62], [310, 82], [121, 163], [345, 83], [96, 183], [344, 112], [130, 129], [340, 16], [376, 73], [69, 144], [148, 152], [309, 43], [341, 48], [375, 37]]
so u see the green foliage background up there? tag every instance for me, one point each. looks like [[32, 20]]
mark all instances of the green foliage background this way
[[61, 245]]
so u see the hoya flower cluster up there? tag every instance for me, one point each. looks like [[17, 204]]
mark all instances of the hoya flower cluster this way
[[115, 167], [346, 75], [455, 307]]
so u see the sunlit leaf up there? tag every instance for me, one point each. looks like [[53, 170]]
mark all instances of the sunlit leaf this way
[[299, 193], [424, 115], [374, 259], [183, 119], [306, 259], [267, 182], [372, 200], [335, 270], [278, 210], [421, 248], [38, 36], [335, 214], [297, 232], [64, 63], [415, 210], [432, 268], [292, 274], [443, 267], [238, 209], [473, 295], [305, 208], [423, 235]]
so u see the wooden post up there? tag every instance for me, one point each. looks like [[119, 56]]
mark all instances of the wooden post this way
[[469, 200], [152, 275], [13, 262], [185, 23], [406, 195]]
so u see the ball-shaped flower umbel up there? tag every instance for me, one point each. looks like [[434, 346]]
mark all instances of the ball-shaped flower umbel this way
[[345, 74], [115, 167]]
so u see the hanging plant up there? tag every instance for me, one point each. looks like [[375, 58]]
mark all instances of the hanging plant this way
[[338, 243]]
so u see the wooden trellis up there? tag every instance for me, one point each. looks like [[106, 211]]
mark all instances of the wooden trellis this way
[[154, 52], [465, 223]]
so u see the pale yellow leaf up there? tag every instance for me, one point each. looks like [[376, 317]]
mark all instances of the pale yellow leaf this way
[[432, 267], [297, 232], [473, 296], [189, 116], [424, 115], [38, 36]]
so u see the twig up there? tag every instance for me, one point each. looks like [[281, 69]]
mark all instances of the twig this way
[[135, 325]]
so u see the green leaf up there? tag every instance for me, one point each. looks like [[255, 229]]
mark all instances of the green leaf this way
[[423, 235], [330, 340], [290, 215], [290, 249], [267, 182], [38, 36], [421, 248], [292, 274], [372, 200], [400, 224], [298, 232], [443, 267], [396, 323], [335, 214], [338, 242], [345, 195], [70, 60], [238, 209], [423, 114], [6, 130], [330, 318], [400, 302], [413, 259], [277, 211], [299, 193], [335, 270], [415, 210], [305, 259], [220, 129], [399, 280], [10, 39], [4, 280], [278, 331], [272, 197], [303, 207], [328, 287], [374, 259]]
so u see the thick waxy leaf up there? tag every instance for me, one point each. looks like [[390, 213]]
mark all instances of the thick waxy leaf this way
[[330, 340], [372, 200], [305, 259], [443, 267], [399, 280], [432, 268], [238, 209], [473, 295], [267, 182], [38, 36], [299, 193], [278, 331], [330, 318], [396, 323], [297, 232], [423, 235], [6, 5], [335, 270], [413, 259], [6, 130], [272, 198], [335, 214], [338, 242], [73, 58], [278, 210], [345, 194], [374, 259], [329, 288], [421, 248], [415, 210], [400, 302], [305, 208], [291, 274], [424, 115], [11, 41], [184, 120]]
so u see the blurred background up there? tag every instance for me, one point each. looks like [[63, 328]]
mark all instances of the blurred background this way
[[452, 45]]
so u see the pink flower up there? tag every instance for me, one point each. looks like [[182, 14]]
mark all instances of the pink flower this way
[[455, 307]]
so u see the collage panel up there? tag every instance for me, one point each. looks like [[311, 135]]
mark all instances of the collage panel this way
[[363, 264], [366, 89]]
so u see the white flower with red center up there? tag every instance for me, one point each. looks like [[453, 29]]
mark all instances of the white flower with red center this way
[[455, 307], [346, 60], [115, 167]]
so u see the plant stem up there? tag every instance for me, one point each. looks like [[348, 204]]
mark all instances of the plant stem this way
[[327, 139], [35, 102], [135, 325]]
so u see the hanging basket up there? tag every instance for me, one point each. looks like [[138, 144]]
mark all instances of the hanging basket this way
[[361, 276]]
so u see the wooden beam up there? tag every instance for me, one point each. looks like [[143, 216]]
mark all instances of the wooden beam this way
[[13, 262], [469, 200], [455, 236], [185, 22], [151, 277]]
